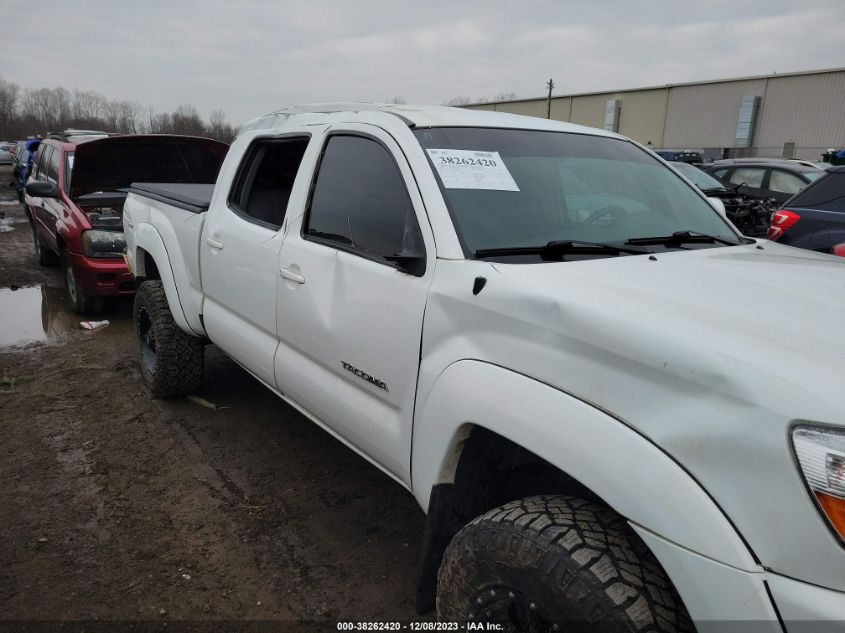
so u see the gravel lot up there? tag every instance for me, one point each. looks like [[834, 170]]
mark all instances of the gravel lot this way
[[119, 511]]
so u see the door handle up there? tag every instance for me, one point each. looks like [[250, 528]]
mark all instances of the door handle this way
[[291, 276], [214, 243]]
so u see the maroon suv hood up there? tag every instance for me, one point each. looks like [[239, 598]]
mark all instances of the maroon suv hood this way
[[114, 163]]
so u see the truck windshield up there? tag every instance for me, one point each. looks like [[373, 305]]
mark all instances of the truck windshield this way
[[511, 188]]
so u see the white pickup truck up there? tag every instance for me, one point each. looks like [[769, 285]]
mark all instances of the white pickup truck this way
[[617, 412]]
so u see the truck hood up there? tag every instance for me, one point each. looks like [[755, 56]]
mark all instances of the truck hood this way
[[760, 329], [115, 162], [716, 314]]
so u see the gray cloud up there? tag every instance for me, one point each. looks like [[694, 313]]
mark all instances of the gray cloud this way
[[252, 57]]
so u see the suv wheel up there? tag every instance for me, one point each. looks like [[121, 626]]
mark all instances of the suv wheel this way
[[79, 301], [171, 360], [556, 563]]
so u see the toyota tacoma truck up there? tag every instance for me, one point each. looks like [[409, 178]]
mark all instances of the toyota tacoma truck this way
[[617, 412]]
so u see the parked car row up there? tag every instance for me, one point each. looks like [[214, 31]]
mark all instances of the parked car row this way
[[778, 179], [74, 200], [800, 203]]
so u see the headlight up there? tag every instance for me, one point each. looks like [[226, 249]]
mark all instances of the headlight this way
[[101, 244], [821, 455]]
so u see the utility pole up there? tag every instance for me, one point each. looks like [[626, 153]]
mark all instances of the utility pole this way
[[550, 84]]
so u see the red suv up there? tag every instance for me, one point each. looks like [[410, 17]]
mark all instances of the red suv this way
[[74, 202]]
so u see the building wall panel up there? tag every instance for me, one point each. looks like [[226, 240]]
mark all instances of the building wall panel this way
[[808, 110], [705, 115], [589, 109], [535, 107], [643, 114]]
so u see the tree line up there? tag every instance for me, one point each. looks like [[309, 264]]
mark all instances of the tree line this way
[[26, 112]]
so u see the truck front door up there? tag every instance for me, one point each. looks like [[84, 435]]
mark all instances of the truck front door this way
[[352, 295]]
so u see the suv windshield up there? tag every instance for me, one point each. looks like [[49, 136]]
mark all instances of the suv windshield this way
[[523, 188], [699, 178]]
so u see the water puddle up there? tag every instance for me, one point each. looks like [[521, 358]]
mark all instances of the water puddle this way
[[7, 224], [41, 313]]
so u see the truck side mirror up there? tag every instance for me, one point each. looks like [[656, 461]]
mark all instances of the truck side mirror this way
[[411, 262], [42, 189]]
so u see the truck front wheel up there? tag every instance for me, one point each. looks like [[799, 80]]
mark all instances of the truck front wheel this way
[[171, 360], [553, 563]]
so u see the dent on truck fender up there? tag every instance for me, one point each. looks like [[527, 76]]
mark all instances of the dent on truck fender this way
[[619, 465]]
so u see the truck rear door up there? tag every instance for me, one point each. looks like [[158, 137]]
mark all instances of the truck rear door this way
[[349, 313], [239, 251]]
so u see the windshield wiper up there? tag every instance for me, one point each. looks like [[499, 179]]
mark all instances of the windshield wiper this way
[[556, 249], [681, 237]]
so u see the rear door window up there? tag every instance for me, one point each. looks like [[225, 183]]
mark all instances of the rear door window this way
[[784, 182], [265, 179], [53, 166], [41, 159], [748, 176]]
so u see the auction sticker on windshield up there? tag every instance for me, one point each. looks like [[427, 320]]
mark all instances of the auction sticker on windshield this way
[[468, 169]]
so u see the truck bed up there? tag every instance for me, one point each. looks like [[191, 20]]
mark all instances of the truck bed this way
[[191, 197]]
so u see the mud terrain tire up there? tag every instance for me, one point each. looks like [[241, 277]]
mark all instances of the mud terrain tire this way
[[543, 561], [171, 360]]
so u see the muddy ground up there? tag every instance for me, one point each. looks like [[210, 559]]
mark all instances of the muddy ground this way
[[119, 511]]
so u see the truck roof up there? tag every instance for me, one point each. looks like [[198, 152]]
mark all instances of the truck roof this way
[[412, 115]]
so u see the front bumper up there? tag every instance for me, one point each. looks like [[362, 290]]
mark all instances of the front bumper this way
[[807, 608], [724, 599], [102, 277]]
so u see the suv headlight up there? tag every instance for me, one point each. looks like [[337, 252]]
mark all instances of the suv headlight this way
[[821, 455], [100, 244]]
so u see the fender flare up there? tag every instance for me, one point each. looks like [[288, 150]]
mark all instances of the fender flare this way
[[149, 241], [619, 464]]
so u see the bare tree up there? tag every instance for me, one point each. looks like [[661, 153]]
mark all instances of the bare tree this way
[[36, 106], [398, 101], [86, 108], [60, 105], [161, 123], [8, 107], [218, 128], [458, 101], [42, 110], [186, 120]]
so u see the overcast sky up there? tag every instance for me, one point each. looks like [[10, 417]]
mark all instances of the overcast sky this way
[[249, 57]]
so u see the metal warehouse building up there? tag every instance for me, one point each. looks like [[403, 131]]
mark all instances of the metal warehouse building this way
[[799, 114]]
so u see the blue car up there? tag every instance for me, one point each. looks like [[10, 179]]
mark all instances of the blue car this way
[[23, 164]]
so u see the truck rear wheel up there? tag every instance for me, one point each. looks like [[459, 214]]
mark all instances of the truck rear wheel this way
[[556, 563], [171, 359]]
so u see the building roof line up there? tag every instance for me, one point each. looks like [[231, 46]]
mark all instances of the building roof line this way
[[821, 71]]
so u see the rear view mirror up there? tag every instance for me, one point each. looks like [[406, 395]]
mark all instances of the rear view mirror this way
[[43, 189]]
